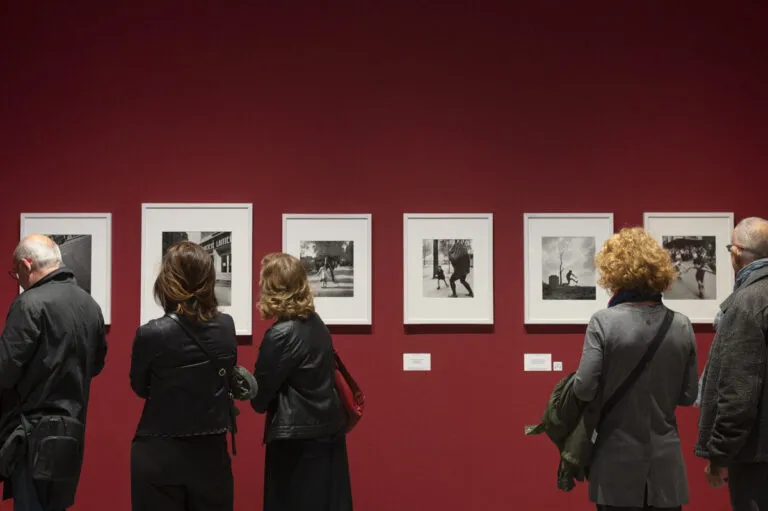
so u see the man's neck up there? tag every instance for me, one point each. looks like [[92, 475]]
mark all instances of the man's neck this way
[[38, 275]]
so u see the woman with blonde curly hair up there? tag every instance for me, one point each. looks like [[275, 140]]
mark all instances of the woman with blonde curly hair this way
[[637, 462], [306, 465]]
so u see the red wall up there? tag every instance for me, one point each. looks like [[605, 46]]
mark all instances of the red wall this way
[[386, 110]]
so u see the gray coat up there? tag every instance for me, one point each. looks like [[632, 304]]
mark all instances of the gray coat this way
[[733, 424], [638, 442]]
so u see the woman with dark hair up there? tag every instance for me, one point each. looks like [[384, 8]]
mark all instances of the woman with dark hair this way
[[179, 456], [306, 466]]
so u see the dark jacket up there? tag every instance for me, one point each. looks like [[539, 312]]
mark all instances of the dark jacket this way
[[295, 372], [46, 326], [184, 393], [733, 422], [52, 345], [568, 422]]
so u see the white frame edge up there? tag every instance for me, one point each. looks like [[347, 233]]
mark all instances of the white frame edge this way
[[107, 309], [368, 217], [717, 214], [527, 320], [432, 216], [248, 206], [727, 215]]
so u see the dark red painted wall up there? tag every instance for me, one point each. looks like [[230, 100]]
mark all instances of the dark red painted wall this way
[[384, 109]]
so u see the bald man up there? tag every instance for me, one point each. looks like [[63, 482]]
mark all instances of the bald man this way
[[733, 423], [52, 344]]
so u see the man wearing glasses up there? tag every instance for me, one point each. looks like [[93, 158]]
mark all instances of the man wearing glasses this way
[[733, 424], [52, 344]]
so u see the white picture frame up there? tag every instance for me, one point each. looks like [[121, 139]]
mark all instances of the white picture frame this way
[[677, 232], [551, 239], [227, 229], [87, 249], [346, 295], [423, 302]]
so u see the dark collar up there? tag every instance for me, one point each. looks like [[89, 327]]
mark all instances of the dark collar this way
[[634, 296], [60, 274]]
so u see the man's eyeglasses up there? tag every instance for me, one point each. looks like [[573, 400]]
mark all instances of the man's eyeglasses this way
[[14, 274], [730, 247]]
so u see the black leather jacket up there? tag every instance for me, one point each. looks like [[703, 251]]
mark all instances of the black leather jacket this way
[[184, 393], [52, 346], [295, 373], [53, 343]]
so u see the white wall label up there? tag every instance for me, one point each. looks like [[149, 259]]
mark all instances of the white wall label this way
[[557, 366], [417, 361], [538, 362]]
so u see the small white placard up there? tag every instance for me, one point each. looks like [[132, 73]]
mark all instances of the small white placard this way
[[538, 362], [557, 366], [417, 361]]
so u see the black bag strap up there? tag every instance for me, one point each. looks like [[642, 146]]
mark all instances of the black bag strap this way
[[640, 367], [215, 361], [220, 369]]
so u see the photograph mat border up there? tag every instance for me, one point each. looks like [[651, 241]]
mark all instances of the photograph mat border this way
[[487, 319], [700, 311], [601, 293], [107, 218], [367, 317], [247, 281]]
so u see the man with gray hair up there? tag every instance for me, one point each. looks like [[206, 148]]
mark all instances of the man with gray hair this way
[[52, 345], [733, 423]]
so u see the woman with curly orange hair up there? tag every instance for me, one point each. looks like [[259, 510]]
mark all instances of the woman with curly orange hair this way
[[637, 461], [306, 465]]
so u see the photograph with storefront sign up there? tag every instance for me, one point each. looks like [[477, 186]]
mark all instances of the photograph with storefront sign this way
[[224, 231]]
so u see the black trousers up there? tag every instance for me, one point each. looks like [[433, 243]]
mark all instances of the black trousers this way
[[307, 475], [748, 486], [181, 474]]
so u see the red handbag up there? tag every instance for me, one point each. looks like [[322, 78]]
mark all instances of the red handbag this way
[[352, 398]]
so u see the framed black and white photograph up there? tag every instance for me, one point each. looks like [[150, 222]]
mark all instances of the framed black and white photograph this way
[[219, 245], [697, 244], [448, 277], [85, 243], [335, 250], [224, 231], [560, 275]]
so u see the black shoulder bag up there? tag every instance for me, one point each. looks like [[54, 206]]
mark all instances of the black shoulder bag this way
[[221, 371], [56, 443], [636, 372]]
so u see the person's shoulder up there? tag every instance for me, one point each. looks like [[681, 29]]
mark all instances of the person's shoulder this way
[[155, 327], [679, 318], [295, 327], [630, 313], [33, 297], [224, 319], [28, 303], [605, 314], [751, 298], [282, 328]]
